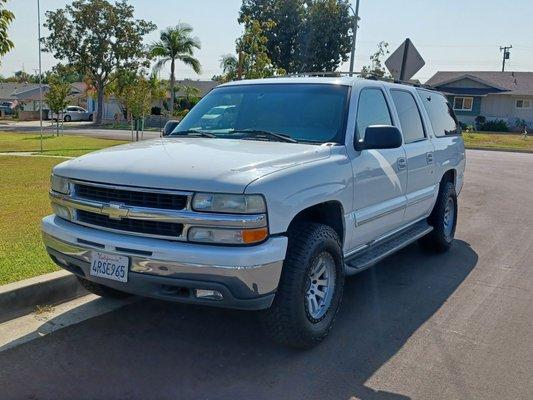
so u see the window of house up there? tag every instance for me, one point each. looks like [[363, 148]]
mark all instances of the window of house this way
[[463, 103], [372, 110], [410, 119], [523, 103]]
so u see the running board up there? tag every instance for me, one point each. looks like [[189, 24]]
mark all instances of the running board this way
[[381, 249]]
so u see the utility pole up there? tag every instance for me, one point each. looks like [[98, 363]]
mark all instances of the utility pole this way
[[40, 74], [506, 55], [356, 13]]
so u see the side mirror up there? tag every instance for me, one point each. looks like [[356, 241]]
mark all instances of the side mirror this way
[[380, 137]]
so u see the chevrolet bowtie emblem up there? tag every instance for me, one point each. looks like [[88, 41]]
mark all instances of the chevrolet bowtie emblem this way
[[115, 210]]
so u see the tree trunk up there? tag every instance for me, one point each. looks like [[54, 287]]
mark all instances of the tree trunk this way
[[100, 102], [172, 85]]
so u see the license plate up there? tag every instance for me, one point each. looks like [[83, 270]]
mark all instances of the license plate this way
[[109, 266]]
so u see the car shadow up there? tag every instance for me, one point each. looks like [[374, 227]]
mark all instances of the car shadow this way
[[153, 349]]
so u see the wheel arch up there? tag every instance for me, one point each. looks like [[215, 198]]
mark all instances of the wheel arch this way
[[330, 213], [449, 175]]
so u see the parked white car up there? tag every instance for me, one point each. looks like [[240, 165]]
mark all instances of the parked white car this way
[[74, 113], [310, 180]]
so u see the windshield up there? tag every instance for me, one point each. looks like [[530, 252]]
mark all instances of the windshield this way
[[298, 112]]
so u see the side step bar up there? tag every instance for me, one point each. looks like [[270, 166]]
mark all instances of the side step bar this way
[[381, 249]]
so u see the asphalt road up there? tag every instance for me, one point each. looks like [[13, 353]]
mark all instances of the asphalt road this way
[[452, 326], [81, 128]]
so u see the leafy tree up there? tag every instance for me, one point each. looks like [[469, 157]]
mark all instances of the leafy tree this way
[[158, 90], [253, 61], [189, 100], [97, 38], [376, 67], [326, 40], [176, 44], [6, 17], [56, 96], [307, 35], [283, 46], [67, 73]]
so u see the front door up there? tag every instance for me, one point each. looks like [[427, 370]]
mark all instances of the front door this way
[[380, 176], [421, 187]]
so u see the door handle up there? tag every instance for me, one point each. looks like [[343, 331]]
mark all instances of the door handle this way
[[402, 163], [429, 158]]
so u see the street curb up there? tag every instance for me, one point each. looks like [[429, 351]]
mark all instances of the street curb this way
[[500, 149], [20, 298]]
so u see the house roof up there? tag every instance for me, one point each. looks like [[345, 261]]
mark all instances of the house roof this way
[[8, 89], [510, 83], [203, 86]]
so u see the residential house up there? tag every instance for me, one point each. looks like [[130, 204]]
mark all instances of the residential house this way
[[504, 96]]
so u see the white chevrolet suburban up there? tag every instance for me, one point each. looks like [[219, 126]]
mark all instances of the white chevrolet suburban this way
[[267, 203]]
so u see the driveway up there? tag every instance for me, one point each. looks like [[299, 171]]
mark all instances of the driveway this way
[[451, 326]]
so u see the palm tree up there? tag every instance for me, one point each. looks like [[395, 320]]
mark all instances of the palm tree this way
[[229, 65], [176, 44]]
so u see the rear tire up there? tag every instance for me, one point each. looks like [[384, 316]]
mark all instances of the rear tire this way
[[101, 290], [90, 118], [443, 219], [310, 288]]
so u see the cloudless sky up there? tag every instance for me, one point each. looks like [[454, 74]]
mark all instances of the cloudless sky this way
[[450, 34]]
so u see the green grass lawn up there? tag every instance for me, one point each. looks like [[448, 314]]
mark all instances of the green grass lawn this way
[[24, 185], [506, 141], [71, 146]]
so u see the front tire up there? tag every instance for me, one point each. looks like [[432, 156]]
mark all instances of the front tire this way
[[67, 118], [310, 289], [101, 290], [443, 219]]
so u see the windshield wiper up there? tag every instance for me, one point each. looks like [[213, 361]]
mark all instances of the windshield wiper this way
[[191, 132], [259, 133]]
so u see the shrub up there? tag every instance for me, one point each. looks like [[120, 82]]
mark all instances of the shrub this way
[[480, 119], [495, 126], [521, 123]]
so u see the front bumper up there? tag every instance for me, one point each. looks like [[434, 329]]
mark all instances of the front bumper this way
[[247, 277]]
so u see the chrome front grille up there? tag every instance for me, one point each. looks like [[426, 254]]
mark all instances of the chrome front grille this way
[[155, 228], [155, 213], [131, 197]]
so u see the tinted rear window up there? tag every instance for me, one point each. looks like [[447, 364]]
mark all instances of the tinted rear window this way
[[440, 113]]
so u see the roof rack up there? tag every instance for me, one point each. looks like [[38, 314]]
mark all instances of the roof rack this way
[[339, 74]]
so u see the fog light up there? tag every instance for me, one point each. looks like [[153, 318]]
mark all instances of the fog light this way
[[208, 294], [61, 212]]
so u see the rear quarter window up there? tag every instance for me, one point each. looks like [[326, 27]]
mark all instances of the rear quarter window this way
[[441, 115]]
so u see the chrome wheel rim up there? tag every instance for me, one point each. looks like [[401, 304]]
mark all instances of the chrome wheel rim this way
[[449, 218], [321, 286]]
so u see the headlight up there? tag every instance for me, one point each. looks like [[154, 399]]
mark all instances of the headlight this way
[[229, 203], [59, 184], [227, 236]]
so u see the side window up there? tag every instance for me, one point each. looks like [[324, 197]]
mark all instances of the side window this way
[[410, 119], [371, 110], [441, 115]]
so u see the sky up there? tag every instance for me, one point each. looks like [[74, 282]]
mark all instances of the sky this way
[[449, 34]]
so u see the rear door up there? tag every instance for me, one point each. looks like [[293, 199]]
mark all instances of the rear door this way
[[380, 175], [421, 187]]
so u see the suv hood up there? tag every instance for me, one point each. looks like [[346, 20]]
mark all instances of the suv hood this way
[[190, 164]]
